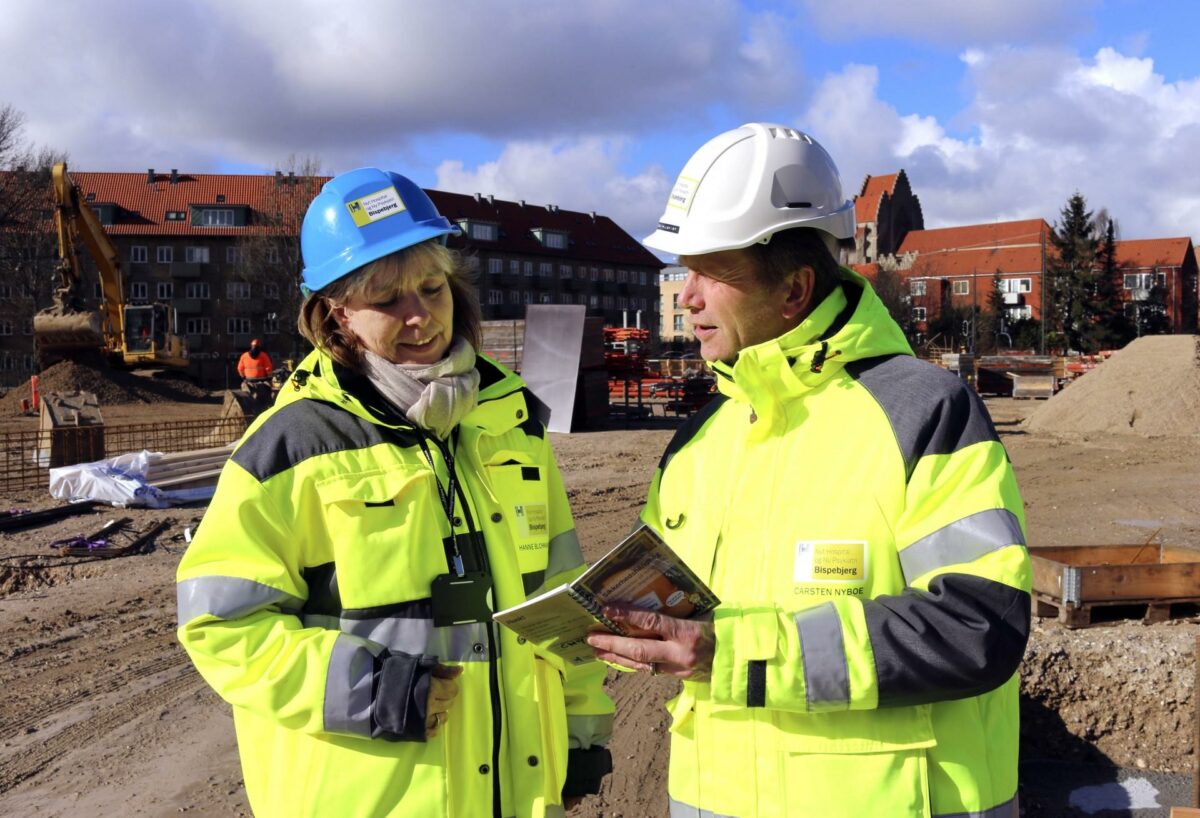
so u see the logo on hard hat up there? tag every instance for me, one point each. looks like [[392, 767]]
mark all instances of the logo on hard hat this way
[[375, 206]]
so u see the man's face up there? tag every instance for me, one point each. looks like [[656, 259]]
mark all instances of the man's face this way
[[731, 307]]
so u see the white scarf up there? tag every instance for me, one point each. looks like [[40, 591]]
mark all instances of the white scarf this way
[[433, 396]]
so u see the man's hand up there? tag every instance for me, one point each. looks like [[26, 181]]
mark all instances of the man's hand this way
[[443, 690], [658, 644]]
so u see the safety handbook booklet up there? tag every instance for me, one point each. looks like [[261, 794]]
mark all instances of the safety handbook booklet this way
[[641, 571]]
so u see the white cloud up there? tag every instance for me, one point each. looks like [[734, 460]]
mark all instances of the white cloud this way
[[953, 22], [1045, 123], [197, 82], [582, 174]]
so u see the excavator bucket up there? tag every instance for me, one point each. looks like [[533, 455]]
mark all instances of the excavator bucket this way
[[59, 330]]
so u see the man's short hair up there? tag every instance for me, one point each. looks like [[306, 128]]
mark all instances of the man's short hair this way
[[789, 250]]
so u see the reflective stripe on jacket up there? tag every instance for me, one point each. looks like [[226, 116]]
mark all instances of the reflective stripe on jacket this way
[[857, 514], [309, 580]]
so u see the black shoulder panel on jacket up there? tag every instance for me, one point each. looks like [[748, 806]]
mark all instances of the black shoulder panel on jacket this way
[[931, 410], [305, 429], [539, 414], [689, 429]]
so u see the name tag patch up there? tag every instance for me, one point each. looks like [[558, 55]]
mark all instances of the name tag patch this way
[[533, 521], [376, 206], [830, 561]]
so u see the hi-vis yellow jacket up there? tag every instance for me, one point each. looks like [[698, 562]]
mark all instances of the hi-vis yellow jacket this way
[[305, 601], [858, 517]]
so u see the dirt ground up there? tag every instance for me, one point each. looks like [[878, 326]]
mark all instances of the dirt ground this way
[[102, 714]]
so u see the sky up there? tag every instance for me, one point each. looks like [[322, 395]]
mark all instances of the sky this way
[[995, 109]]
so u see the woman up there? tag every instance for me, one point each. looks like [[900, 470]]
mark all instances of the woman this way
[[339, 591]]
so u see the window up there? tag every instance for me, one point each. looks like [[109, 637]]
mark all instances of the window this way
[[527, 297], [545, 298], [594, 274], [495, 296], [962, 287], [678, 325], [196, 255], [554, 240], [917, 288], [6, 327], [270, 325], [481, 232], [675, 301], [270, 290], [138, 254], [608, 302], [918, 313], [176, 215], [622, 276], [27, 326], [564, 271], [495, 266], [197, 289], [545, 269], [216, 217], [272, 254], [564, 298], [164, 290], [139, 291], [233, 255], [608, 274], [514, 297], [238, 326], [527, 268], [1015, 285], [642, 277], [1143, 281], [593, 300], [164, 255], [5, 292], [237, 289], [197, 326], [514, 267]]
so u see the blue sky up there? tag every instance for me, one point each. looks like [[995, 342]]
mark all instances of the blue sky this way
[[996, 109]]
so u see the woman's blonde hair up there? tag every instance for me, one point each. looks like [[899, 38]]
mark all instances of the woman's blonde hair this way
[[381, 278]]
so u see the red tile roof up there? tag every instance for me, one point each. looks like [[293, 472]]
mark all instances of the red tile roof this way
[[998, 234], [866, 203], [867, 271], [1152, 252], [143, 207], [1008, 260]]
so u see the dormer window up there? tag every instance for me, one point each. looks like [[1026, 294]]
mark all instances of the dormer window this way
[[553, 239], [216, 217], [176, 215], [479, 231]]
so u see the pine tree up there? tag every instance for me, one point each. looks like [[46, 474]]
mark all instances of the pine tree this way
[[1108, 328], [1070, 275]]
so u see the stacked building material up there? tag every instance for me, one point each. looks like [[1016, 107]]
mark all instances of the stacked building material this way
[[192, 469]]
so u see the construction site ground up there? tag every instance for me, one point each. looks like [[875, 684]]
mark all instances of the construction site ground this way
[[101, 712]]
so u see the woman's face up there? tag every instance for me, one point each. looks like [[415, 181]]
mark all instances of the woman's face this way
[[405, 319]]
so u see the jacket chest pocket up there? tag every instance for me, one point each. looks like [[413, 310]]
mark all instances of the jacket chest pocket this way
[[522, 493], [386, 533]]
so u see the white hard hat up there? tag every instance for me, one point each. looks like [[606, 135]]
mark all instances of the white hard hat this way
[[746, 184]]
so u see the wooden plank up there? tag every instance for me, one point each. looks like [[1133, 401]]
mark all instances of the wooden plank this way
[[1091, 613], [1139, 581], [212, 474], [1089, 554]]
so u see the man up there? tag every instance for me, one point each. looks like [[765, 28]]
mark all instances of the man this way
[[255, 364], [851, 506]]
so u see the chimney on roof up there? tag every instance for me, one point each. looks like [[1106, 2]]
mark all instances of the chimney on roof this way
[[478, 197], [278, 178], [291, 177], [491, 199], [593, 215], [150, 176], [174, 175], [522, 203]]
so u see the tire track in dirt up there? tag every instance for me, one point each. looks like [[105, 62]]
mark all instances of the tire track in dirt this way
[[25, 762]]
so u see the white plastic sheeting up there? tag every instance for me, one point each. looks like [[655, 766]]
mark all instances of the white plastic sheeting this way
[[119, 481]]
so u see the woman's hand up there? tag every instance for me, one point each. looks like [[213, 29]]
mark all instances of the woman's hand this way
[[443, 690]]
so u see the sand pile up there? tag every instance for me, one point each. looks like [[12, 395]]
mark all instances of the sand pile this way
[[1151, 387], [111, 386]]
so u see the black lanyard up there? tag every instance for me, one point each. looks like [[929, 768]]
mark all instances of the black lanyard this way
[[447, 493]]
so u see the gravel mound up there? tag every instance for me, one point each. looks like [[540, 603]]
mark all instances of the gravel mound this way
[[1151, 388], [111, 386]]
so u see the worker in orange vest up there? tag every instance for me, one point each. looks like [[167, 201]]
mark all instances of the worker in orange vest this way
[[255, 363]]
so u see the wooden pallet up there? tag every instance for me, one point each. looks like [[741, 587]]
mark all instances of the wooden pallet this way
[[1087, 614]]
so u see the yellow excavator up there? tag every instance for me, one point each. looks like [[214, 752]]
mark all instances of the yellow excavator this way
[[130, 335]]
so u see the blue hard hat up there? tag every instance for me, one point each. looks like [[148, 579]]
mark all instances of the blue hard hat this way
[[363, 215]]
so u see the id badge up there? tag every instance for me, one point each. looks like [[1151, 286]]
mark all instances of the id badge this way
[[461, 600]]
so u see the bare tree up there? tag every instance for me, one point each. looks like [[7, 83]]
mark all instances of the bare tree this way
[[270, 257]]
